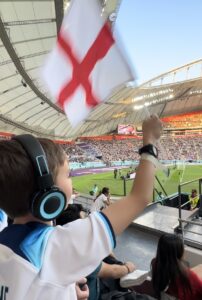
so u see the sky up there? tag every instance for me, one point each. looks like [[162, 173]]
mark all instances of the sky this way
[[160, 35]]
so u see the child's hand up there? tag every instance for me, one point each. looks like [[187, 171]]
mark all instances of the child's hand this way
[[82, 290], [152, 130]]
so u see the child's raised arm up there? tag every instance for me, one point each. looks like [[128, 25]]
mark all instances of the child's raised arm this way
[[123, 212]]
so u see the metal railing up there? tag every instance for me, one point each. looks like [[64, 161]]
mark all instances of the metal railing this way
[[85, 200], [155, 190], [190, 231]]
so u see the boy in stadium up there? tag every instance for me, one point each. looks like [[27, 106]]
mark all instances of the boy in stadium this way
[[37, 260]]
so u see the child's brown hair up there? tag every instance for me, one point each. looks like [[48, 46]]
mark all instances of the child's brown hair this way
[[17, 180]]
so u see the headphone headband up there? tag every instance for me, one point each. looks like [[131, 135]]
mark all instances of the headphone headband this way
[[38, 158]]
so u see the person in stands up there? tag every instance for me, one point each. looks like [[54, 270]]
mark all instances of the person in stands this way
[[170, 274], [113, 270], [71, 213], [194, 198], [42, 261], [102, 201]]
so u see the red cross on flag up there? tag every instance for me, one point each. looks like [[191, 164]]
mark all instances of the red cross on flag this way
[[86, 64]]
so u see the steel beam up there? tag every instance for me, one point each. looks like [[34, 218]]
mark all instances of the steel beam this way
[[5, 39], [28, 22], [59, 13], [32, 40], [24, 57], [29, 129]]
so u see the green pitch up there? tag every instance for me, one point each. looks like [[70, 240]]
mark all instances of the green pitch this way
[[84, 183]]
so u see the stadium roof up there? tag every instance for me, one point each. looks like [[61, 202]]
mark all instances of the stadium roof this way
[[28, 31]]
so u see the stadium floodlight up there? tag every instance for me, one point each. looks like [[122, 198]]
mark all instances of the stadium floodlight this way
[[147, 104], [138, 107]]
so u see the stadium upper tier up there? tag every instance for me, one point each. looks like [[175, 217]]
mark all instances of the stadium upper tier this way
[[28, 31]]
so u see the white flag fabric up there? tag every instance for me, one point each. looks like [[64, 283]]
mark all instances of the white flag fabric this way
[[86, 63]]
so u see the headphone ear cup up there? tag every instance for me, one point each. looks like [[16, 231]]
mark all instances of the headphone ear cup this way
[[48, 205]]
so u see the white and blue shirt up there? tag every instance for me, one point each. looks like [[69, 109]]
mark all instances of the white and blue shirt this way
[[40, 262]]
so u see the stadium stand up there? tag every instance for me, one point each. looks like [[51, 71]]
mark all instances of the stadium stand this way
[[185, 121], [188, 148]]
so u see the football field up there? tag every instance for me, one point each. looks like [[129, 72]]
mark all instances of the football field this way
[[84, 183]]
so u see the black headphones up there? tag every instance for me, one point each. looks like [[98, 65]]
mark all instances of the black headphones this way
[[48, 201]]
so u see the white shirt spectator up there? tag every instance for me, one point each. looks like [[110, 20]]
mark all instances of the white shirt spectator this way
[[99, 203]]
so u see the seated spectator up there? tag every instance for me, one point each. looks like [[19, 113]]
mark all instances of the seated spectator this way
[[105, 277], [102, 201], [106, 274], [194, 198], [71, 213], [169, 272]]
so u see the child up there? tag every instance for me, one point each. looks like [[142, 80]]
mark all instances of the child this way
[[38, 261]]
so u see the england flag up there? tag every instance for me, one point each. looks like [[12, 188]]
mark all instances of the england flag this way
[[86, 64]]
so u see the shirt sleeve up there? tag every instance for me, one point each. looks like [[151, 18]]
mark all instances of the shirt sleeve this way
[[76, 249], [3, 220]]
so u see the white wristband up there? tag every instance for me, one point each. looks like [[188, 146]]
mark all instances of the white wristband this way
[[151, 158]]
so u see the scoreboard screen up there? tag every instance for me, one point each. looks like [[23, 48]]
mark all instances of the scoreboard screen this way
[[126, 129]]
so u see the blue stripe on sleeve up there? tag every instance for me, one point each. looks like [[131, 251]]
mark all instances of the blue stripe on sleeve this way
[[109, 228], [35, 244], [2, 215]]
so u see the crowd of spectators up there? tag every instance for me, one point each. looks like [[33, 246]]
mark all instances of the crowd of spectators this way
[[184, 122], [183, 148], [117, 150], [171, 148], [77, 154]]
